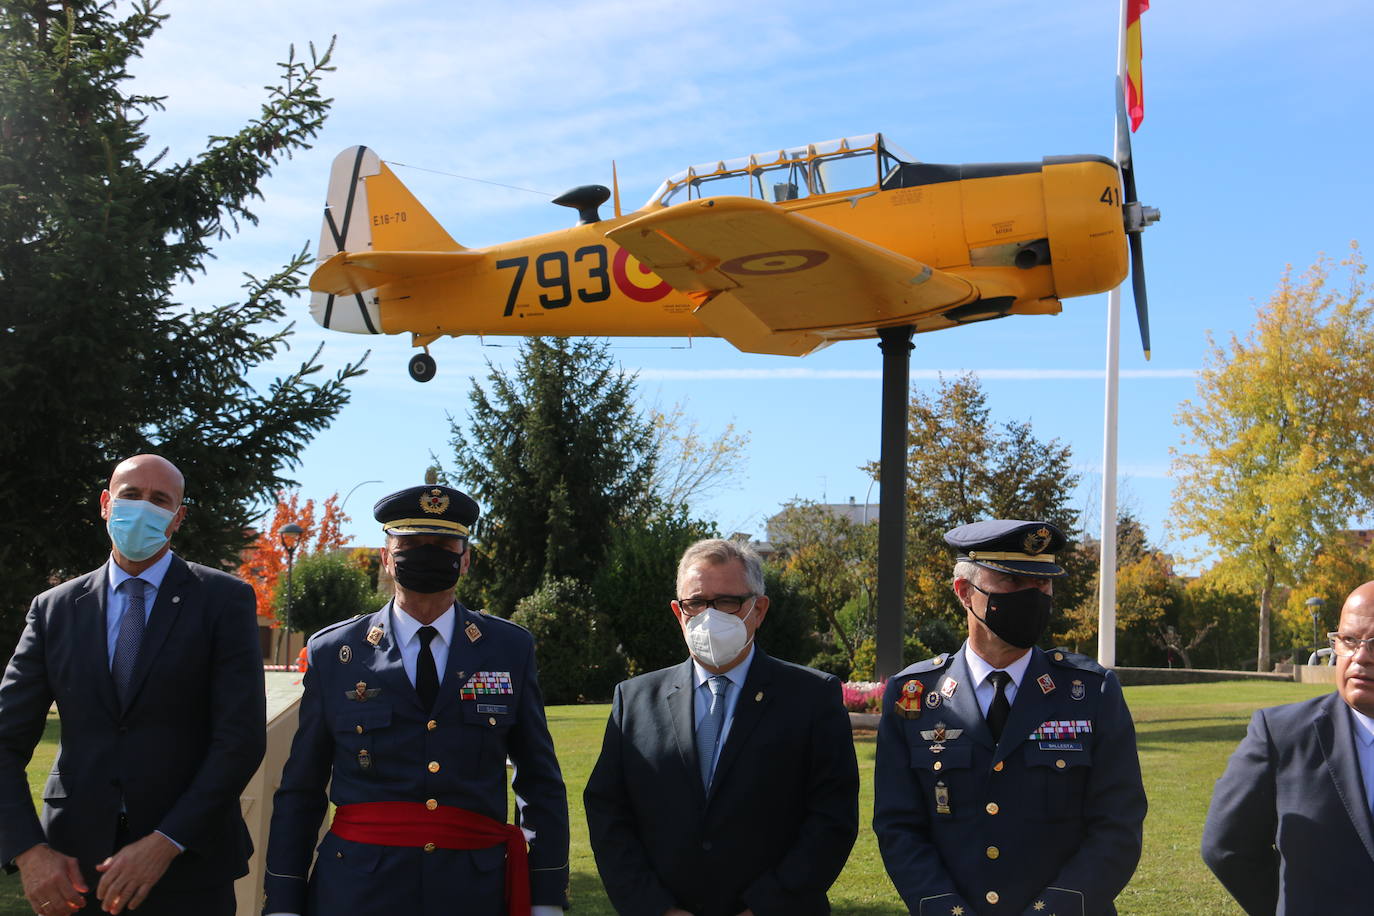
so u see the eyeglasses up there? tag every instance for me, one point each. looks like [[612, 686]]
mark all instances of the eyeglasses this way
[[1346, 646], [730, 604]]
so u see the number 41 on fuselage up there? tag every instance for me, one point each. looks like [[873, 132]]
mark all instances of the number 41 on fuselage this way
[[782, 252]]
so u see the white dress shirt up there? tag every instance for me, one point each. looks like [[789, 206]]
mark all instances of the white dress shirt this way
[[406, 631], [984, 689]]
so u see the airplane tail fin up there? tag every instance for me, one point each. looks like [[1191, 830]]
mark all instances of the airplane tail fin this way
[[368, 211]]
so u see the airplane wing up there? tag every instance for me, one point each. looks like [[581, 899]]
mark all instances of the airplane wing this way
[[346, 273], [771, 280]]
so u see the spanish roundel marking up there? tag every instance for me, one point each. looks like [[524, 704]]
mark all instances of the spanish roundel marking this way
[[776, 262], [637, 282]]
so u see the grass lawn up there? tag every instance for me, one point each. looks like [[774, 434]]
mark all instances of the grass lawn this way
[[1185, 733]]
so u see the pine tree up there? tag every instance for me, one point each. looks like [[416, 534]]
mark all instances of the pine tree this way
[[557, 456], [97, 360], [961, 468]]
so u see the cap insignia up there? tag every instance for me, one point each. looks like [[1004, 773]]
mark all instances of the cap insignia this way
[[434, 502], [1036, 541]]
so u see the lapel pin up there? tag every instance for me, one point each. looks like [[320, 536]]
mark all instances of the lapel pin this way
[[1046, 683], [758, 697], [345, 654], [472, 631], [374, 635], [1078, 691], [948, 687], [176, 599]]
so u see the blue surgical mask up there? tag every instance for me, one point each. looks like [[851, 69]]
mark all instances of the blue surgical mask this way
[[138, 528]]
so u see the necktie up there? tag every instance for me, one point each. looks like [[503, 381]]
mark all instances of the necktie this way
[[426, 674], [708, 733], [129, 639], [1000, 708]]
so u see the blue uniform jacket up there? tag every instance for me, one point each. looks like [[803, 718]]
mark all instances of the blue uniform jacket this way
[[1046, 821], [363, 734]]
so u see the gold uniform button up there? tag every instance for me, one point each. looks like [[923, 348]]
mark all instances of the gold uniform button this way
[[1059, 656], [358, 728], [992, 808], [491, 720], [993, 852], [431, 725], [1060, 763], [997, 767], [430, 847], [431, 803], [434, 766], [338, 855], [992, 897], [937, 765]]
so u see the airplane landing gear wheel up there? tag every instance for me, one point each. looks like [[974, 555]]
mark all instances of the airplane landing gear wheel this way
[[422, 367]]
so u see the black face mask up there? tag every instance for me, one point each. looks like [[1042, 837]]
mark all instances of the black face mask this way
[[1017, 618], [427, 568]]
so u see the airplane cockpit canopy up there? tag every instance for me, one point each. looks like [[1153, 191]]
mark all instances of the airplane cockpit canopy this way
[[848, 164]]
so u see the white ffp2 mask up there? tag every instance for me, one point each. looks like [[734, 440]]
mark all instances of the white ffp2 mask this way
[[717, 638]]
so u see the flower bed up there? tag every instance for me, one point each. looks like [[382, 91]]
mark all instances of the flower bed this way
[[864, 696]]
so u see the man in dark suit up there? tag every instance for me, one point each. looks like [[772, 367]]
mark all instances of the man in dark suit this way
[[408, 718], [1006, 778], [1290, 827], [727, 784], [157, 672]]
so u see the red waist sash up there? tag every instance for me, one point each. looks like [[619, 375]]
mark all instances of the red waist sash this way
[[412, 824]]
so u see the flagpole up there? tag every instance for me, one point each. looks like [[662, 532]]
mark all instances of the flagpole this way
[[1106, 570]]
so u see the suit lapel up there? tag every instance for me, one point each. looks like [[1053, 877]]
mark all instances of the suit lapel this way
[[1027, 712], [464, 658], [749, 709], [964, 702], [91, 632], [677, 701], [385, 663], [1336, 735]]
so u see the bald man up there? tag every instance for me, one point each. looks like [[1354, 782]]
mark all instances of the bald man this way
[[155, 666], [1290, 829]]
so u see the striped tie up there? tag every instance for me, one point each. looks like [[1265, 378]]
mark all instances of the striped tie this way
[[708, 733], [129, 639]]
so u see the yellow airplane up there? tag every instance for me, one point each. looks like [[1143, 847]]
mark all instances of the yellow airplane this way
[[782, 252]]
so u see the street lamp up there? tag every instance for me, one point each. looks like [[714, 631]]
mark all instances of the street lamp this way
[[1314, 607], [290, 537]]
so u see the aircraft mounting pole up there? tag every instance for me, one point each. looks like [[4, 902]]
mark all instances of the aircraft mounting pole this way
[[896, 346]]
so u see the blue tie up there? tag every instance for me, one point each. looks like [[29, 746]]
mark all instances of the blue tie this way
[[129, 638], [708, 733]]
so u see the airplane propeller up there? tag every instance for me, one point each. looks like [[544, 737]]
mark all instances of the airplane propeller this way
[[1136, 215]]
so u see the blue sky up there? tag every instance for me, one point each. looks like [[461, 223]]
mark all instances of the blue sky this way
[[1254, 147]]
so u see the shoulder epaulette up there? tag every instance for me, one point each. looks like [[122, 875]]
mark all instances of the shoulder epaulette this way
[[937, 663], [1066, 659]]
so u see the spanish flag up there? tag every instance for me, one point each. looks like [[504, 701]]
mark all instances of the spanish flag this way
[[1135, 89]]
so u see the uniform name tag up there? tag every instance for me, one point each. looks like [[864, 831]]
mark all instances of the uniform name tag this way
[[499, 710], [1061, 745]]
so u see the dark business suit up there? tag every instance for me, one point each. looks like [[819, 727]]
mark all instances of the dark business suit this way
[[1046, 820], [177, 756], [1289, 829], [781, 816]]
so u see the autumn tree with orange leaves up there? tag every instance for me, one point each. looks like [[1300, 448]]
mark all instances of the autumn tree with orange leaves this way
[[265, 562]]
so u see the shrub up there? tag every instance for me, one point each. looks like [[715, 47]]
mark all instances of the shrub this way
[[577, 656]]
